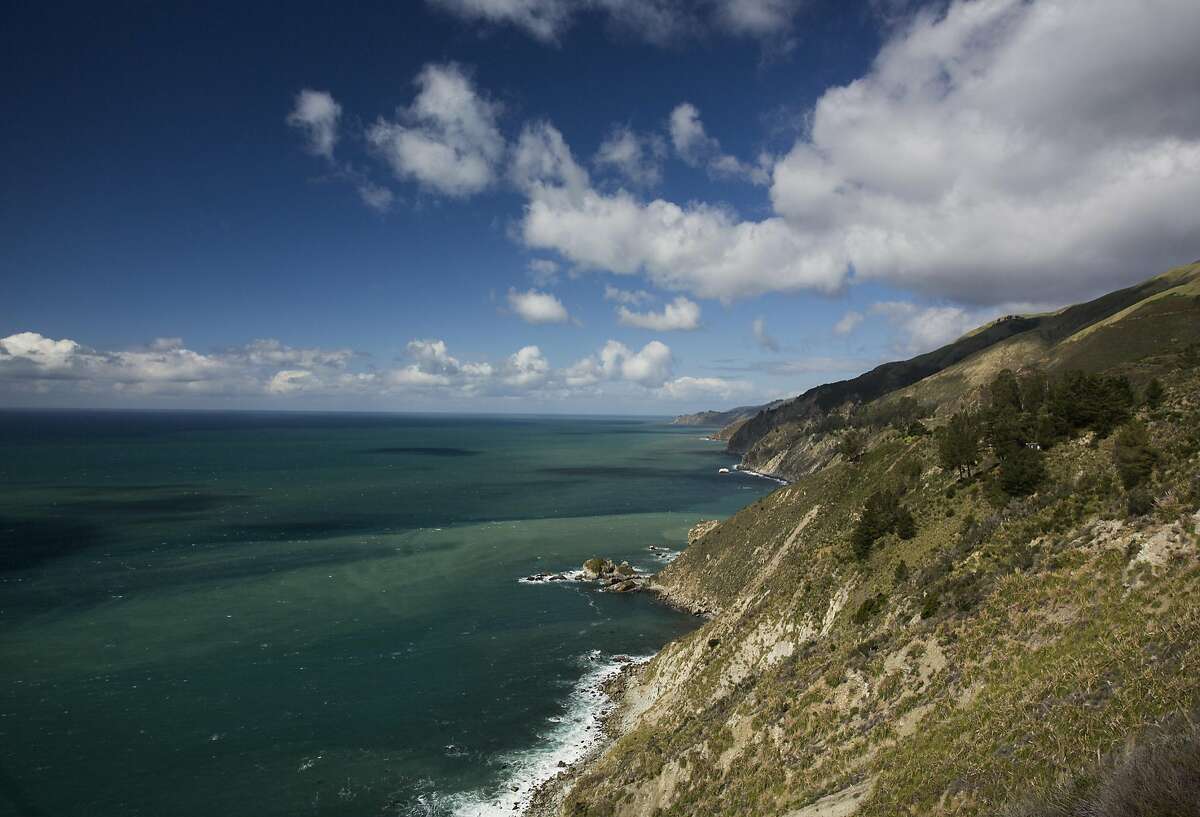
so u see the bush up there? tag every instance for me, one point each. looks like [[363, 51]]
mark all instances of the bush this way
[[1153, 395], [1159, 776], [930, 605], [900, 575], [1022, 470], [868, 609], [1133, 455], [1139, 502], [882, 514], [852, 445]]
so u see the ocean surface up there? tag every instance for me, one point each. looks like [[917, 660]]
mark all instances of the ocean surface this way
[[232, 614]]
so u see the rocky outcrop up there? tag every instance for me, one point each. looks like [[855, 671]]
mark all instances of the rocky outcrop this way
[[614, 578]]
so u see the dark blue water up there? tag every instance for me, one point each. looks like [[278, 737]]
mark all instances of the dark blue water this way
[[259, 614]]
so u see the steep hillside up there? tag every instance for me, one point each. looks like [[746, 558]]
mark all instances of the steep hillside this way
[[1115, 328], [911, 629]]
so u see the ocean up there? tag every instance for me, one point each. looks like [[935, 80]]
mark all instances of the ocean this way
[[244, 613]]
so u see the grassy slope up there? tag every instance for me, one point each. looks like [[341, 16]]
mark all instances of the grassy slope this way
[[1104, 333], [1112, 333], [1062, 627]]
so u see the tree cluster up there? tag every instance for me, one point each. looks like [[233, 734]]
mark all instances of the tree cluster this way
[[1026, 415], [882, 514]]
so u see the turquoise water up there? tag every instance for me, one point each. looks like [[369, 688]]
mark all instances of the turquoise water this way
[[287, 614]]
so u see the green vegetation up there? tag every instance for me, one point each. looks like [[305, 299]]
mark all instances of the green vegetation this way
[[961, 640], [882, 514]]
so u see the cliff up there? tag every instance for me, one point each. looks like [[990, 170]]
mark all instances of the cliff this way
[[997, 644]]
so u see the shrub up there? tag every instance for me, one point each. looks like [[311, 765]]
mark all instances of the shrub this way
[[1153, 395], [1159, 776], [1133, 455], [870, 606], [1139, 502], [958, 444], [882, 514], [930, 605], [1022, 470], [900, 575], [852, 445]]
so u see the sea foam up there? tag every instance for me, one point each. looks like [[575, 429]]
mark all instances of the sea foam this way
[[566, 739]]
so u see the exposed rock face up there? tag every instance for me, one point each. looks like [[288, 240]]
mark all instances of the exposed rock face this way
[[700, 529], [615, 578]]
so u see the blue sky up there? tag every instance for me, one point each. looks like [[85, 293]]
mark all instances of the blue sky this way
[[423, 206]]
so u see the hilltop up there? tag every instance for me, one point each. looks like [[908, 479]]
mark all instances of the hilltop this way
[[980, 590]]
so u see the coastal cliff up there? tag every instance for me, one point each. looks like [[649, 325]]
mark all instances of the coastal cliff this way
[[893, 634]]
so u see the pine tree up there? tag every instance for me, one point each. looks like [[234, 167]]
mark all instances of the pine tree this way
[[958, 444], [1133, 455]]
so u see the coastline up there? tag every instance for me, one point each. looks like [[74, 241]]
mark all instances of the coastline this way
[[547, 797]]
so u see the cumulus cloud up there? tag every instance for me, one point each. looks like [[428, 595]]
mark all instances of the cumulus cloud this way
[[762, 338], [316, 115], [656, 21], [447, 140], [694, 388], [698, 149], [988, 146], [527, 367], [848, 323], [1004, 140], [269, 370], [922, 328], [680, 314], [651, 366], [537, 307], [628, 297], [543, 271], [637, 158], [758, 17]]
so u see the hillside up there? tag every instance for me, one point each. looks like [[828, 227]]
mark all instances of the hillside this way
[[908, 629], [1114, 329], [726, 422]]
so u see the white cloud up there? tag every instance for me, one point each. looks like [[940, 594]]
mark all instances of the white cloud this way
[[542, 160], [923, 328], [447, 140], [316, 114], [527, 367], [698, 149], [1003, 150], [537, 307], [272, 371], [762, 338], [680, 314], [289, 381], [635, 297], [651, 366], [636, 157], [375, 196], [543, 271], [1010, 147], [656, 21], [694, 388], [758, 17], [848, 323], [703, 249]]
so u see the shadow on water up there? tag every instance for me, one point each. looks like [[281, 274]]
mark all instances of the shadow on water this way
[[27, 542], [12, 794], [187, 504], [425, 451], [622, 472]]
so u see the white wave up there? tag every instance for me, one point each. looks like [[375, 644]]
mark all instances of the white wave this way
[[568, 738]]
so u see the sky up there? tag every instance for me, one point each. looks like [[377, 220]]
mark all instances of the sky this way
[[567, 206]]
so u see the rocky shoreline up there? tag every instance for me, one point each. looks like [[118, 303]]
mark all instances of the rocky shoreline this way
[[547, 798]]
